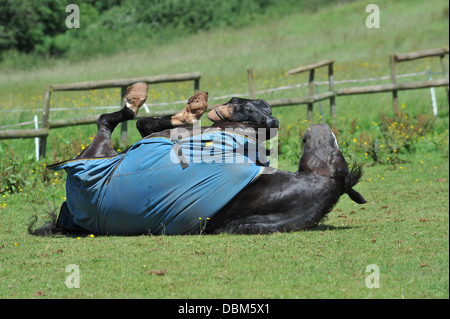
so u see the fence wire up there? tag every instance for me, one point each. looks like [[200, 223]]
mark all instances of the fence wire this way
[[271, 90]]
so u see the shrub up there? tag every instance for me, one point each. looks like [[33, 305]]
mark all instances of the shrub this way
[[12, 177], [402, 131], [290, 145], [386, 141], [108, 26], [18, 174]]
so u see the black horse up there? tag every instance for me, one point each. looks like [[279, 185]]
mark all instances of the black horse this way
[[276, 202]]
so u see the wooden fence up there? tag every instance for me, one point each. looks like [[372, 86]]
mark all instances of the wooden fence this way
[[395, 58], [47, 123], [309, 100], [393, 87]]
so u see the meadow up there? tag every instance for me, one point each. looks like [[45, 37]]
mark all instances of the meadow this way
[[403, 229]]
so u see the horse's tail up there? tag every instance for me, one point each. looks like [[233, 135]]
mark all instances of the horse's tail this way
[[49, 227]]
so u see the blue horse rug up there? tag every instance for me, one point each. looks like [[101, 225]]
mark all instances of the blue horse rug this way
[[159, 186]]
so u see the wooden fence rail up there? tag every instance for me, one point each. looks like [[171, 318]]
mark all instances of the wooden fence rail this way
[[393, 87], [395, 58], [309, 100], [11, 134], [164, 78], [46, 123]]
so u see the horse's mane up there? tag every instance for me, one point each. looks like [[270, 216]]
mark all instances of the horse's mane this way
[[354, 176]]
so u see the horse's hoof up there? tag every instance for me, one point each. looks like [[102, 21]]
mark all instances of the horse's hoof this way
[[136, 96], [195, 108], [220, 113]]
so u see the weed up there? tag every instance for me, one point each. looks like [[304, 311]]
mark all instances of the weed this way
[[202, 224], [289, 141], [390, 138], [18, 174], [13, 177], [402, 132]]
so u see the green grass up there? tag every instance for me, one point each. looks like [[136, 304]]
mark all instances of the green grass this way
[[403, 229]]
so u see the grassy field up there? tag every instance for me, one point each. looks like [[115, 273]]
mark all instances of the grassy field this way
[[403, 229]]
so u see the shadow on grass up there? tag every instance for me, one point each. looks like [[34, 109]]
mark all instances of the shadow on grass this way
[[324, 227]]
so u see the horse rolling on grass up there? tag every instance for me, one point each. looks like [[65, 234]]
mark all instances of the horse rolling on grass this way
[[114, 194]]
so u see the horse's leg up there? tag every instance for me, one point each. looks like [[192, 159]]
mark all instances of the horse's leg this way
[[194, 109], [255, 112], [101, 144], [255, 116]]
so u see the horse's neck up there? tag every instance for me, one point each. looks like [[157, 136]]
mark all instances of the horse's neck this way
[[277, 202], [302, 190], [315, 196], [316, 185]]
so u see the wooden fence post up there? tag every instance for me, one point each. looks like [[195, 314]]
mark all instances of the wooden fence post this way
[[196, 85], [251, 84], [311, 98], [392, 61], [333, 97], [311, 93], [44, 120], [124, 125], [445, 70]]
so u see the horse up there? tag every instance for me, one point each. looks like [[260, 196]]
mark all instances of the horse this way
[[267, 200]]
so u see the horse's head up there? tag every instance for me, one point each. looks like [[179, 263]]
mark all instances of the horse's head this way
[[322, 156]]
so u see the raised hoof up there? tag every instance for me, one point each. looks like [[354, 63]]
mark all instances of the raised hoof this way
[[195, 108], [136, 96]]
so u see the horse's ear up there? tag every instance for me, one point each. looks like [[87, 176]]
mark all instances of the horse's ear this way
[[356, 197]]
